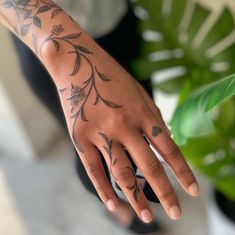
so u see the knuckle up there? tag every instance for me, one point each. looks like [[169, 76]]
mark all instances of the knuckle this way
[[94, 170], [141, 108], [152, 168], [171, 149], [124, 174], [79, 131], [168, 196], [183, 173], [119, 118]]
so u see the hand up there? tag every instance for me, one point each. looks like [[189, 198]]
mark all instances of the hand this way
[[107, 110], [104, 107]]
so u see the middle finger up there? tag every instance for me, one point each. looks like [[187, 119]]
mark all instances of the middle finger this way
[[154, 173]]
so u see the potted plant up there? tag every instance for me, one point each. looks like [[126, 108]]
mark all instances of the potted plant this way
[[193, 42]]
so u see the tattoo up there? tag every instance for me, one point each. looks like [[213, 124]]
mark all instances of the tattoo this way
[[156, 130], [134, 187], [108, 149], [29, 11], [79, 95], [56, 39]]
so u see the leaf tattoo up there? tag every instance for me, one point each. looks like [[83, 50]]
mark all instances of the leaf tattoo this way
[[108, 149], [79, 95], [29, 11], [134, 187]]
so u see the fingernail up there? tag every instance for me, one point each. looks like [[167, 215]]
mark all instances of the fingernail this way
[[146, 216], [175, 212], [194, 189], [111, 205]]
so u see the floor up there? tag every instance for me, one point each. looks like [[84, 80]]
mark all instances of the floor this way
[[44, 197]]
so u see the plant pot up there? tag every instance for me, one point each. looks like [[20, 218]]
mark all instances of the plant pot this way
[[221, 215]]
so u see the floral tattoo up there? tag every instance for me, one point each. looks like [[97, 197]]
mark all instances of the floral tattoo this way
[[79, 95], [108, 149], [29, 11]]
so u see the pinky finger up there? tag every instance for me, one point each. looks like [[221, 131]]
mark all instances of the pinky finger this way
[[95, 170]]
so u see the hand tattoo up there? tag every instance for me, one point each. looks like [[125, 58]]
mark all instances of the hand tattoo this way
[[156, 130], [79, 95], [108, 149]]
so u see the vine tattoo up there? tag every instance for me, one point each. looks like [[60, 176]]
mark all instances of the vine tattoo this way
[[134, 187], [79, 95], [108, 149], [30, 11]]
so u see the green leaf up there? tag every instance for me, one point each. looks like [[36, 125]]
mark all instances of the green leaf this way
[[194, 118], [199, 38], [186, 39]]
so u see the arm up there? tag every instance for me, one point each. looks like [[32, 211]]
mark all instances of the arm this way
[[105, 108]]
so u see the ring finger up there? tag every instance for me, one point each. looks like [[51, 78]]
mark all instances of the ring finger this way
[[122, 171]]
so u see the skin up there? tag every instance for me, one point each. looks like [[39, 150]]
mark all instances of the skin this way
[[105, 108]]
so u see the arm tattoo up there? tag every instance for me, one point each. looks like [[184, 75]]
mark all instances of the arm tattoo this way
[[156, 130], [79, 95], [29, 12], [108, 149]]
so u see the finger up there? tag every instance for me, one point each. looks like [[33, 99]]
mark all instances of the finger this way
[[159, 137], [124, 174], [95, 170], [154, 173]]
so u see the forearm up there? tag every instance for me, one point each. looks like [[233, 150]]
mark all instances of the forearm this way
[[51, 34]]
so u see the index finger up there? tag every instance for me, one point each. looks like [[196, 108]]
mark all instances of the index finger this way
[[159, 137]]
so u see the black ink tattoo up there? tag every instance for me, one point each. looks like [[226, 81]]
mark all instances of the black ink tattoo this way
[[134, 187], [108, 149], [156, 130], [56, 39], [29, 11], [79, 95]]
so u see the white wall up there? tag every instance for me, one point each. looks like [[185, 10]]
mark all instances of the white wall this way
[[22, 118]]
